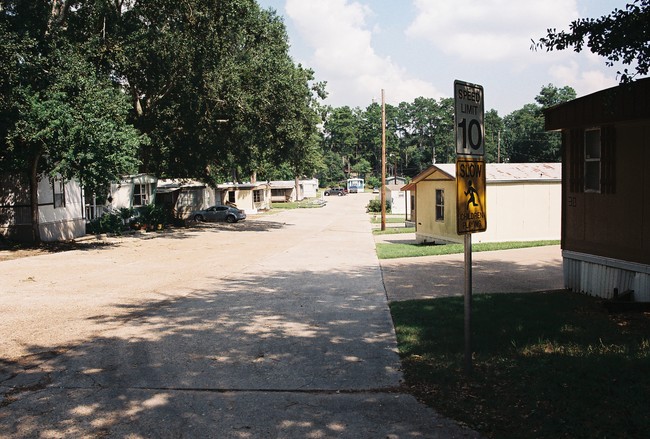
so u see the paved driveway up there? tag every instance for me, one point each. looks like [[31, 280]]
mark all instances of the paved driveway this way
[[507, 271], [277, 326]]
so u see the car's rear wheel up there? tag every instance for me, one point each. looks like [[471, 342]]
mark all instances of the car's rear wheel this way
[[198, 218], [340, 194], [231, 219]]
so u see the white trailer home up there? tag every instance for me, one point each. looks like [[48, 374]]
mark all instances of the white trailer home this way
[[60, 209]]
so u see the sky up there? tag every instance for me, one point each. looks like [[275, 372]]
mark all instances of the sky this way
[[412, 48]]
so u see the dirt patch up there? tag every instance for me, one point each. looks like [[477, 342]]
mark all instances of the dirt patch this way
[[9, 252]]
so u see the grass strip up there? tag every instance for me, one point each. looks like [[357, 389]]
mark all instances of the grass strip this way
[[376, 219], [398, 250], [546, 365], [305, 204], [393, 230]]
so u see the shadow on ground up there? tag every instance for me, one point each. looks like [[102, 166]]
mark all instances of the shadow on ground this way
[[432, 277], [291, 354], [11, 250]]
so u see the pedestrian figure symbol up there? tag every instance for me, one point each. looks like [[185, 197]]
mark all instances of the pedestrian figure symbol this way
[[471, 191], [470, 196]]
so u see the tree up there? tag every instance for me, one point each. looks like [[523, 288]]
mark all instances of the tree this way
[[341, 134], [623, 36], [426, 133], [419, 122], [525, 136], [59, 116], [370, 135], [362, 167], [525, 139], [211, 81], [493, 134], [75, 128], [551, 95], [297, 137]]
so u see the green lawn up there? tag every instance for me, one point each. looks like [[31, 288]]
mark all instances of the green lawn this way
[[546, 365], [376, 219], [396, 250], [393, 230], [307, 203]]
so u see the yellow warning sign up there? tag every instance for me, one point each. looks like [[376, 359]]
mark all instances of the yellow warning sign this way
[[470, 195]]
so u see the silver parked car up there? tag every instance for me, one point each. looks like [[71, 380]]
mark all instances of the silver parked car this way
[[219, 213]]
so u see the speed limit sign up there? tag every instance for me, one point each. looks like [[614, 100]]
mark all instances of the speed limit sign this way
[[470, 131]]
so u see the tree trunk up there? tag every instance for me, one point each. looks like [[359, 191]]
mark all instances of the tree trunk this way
[[57, 16], [33, 199], [298, 194]]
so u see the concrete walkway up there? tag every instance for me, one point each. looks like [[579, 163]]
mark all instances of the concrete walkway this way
[[507, 271], [276, 327]]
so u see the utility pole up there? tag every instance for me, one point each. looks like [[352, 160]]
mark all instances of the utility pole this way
[[499, 146], [383, 162]]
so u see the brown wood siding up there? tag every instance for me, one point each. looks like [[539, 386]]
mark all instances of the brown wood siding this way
[[573, 210], [608, 160], [627, 102], [616, 222], [576, 160], [644, 181]]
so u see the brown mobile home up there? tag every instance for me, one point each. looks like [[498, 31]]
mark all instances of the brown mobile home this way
[[606, 190]]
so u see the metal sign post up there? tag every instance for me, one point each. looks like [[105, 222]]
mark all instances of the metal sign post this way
[[382, 198], [470, 185], [467, 363]]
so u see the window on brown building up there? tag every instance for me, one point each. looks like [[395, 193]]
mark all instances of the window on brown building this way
[[592, 160]]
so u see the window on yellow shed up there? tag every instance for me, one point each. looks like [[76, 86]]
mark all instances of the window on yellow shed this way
[[440, 205]]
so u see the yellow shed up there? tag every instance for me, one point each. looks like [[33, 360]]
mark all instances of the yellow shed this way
[[523, 203]]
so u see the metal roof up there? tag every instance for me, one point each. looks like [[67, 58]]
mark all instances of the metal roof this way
[[247, 185], [283, 184], [502, 172], [496, 173]]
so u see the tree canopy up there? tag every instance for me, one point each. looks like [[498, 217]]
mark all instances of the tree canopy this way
[[90, 89], [621, 36], [421, 133]]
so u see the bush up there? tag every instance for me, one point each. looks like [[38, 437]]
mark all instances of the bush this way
[[375, 206], [151, 215], [126, 213], [109, 223], [373, 182]]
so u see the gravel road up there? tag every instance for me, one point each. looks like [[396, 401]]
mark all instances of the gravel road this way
[[274, 327]]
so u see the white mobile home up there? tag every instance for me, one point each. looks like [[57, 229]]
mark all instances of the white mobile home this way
[[284, 191], [249, 197], [182, 196], [355, 185], [60, 209], [133, 191]]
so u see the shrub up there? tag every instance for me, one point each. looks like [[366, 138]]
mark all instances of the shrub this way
[[151, 215], [109, 223], [375, 206], [126, 213], [373, 181]]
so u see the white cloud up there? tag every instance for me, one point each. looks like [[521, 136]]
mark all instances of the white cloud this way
[[406, 46], [582, 81], [343, 54], [488, 30]]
